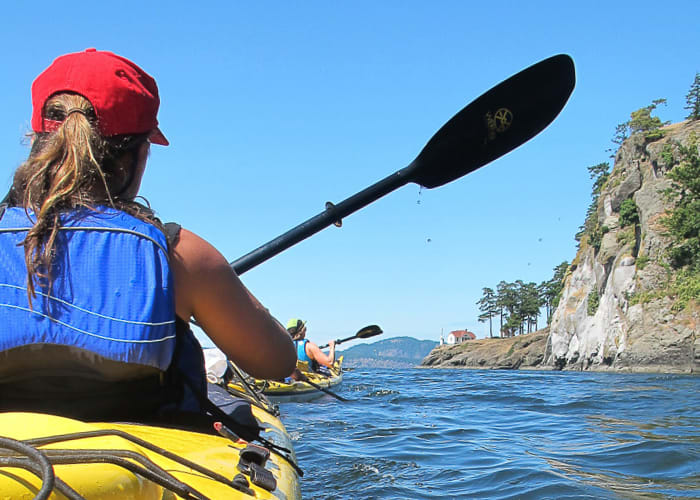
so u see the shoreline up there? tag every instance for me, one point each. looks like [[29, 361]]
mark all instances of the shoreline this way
[[527, 352], [624, 370]]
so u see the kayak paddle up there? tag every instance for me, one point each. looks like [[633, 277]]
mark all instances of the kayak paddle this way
[[364, 333], [497, 122], [323, 389]]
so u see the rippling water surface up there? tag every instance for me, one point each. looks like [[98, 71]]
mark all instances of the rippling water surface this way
[[427, 433]]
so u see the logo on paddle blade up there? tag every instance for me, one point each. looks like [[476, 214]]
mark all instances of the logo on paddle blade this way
[[498, 122]]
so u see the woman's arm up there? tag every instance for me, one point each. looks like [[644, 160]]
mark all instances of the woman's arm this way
[[207, 289], [315, 353]]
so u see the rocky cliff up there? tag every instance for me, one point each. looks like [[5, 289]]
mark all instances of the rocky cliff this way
[[614, 313], [633, 326]]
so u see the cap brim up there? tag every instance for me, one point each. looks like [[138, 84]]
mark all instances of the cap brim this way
[[157, 137]]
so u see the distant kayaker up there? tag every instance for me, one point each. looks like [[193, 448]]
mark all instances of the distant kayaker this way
[[96, 294], [307, 351]]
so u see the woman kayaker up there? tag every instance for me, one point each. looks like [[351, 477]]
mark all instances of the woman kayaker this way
[[307, 351], [95, 292]]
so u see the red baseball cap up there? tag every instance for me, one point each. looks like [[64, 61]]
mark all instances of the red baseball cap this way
[[124, 97]]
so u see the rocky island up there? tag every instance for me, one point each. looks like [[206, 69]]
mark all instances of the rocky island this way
[[522, 351]]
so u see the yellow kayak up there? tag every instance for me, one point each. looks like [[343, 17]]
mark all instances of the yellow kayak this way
[[40, 454], [297, 391]]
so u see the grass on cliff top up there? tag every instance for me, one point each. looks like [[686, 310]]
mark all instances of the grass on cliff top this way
[[503, 346]]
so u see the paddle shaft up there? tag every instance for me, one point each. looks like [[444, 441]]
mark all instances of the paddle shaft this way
[[323, 220], [323, 389], [340, 341]]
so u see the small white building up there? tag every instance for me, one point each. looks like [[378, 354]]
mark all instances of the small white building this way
[[459, 336]]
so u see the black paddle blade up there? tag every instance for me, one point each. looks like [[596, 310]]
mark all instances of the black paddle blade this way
[[369, 331], [495, 123]]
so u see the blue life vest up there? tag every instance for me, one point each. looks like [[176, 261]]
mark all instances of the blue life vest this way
[[106, 328], [301, 351], [111, 291]]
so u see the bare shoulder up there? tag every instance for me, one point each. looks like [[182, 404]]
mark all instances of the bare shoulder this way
[[200, 270], [207, 289], [196, 254], [312, 347]]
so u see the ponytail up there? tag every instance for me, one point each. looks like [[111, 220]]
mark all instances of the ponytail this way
[[70, 168]]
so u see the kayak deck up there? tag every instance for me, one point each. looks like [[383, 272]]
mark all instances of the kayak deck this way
[[298, 391], [109, 460]]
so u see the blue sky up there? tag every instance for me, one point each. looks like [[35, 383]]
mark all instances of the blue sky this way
[[274, 108]]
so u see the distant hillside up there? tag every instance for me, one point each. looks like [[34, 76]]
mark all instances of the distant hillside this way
[[397, 352]]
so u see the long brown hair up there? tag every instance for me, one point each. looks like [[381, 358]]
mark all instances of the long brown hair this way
[[72, 167]]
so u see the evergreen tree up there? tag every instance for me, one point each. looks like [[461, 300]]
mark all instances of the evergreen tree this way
[[642, 121], [507, 303], [600, 174], [519, 304], [530, 304], [488, 307], [550, 290], [500, 303], [520, 316], [692, 100], [621, 133], [511, 326], [543, 292], [684, 221]]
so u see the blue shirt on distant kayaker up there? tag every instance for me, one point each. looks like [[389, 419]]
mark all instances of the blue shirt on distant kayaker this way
[[307, 351], [91, 292]]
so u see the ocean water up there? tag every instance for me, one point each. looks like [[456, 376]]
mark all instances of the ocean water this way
[[429, 433]]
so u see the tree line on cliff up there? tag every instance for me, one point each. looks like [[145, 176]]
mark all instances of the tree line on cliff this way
[[518, 305]]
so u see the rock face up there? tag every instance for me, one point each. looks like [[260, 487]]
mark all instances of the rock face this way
[[632, 328]]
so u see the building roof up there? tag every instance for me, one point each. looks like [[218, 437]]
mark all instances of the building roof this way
[[463, 333]]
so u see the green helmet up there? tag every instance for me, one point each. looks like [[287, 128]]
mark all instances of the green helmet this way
[[294, 326]]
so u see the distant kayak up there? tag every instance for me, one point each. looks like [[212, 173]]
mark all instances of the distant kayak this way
[[94, 461], [296, 391]]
